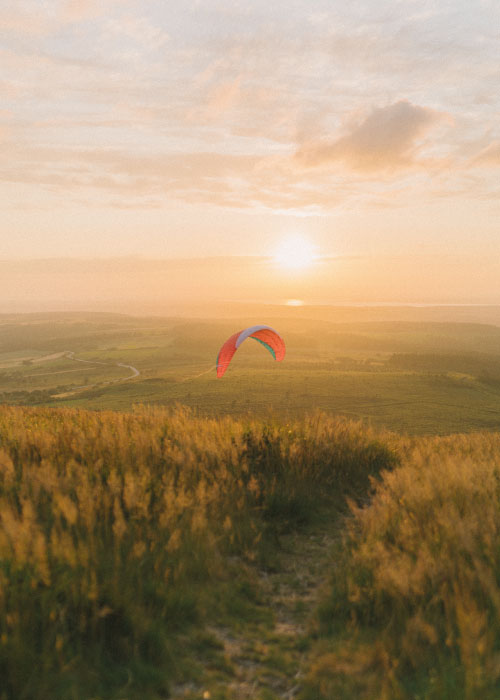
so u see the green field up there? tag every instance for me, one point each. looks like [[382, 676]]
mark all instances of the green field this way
[[416, 377]]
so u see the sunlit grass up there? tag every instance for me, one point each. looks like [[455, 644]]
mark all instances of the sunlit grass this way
[[414, 610], [120, 532], [124, 535]]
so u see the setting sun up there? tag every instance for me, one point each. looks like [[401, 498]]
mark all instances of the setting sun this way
[[295, 253]]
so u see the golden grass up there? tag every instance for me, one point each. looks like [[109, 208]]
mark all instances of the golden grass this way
[[116, 532], [414, 609]]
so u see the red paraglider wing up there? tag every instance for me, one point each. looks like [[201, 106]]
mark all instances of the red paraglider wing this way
[[226, 353], [272, 341], [265, 335]]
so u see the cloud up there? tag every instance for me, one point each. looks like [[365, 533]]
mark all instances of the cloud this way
[[16, 22], [240, 105], [389, 138], [140, 30], [80, 10], [489, 156], [222, 98], [35, 18]]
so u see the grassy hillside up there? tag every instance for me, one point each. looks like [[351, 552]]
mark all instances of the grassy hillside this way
[[122, 536], [144, 555]]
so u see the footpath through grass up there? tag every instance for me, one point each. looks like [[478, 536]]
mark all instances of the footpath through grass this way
[[155, 554], [266, 656], [131, 543]]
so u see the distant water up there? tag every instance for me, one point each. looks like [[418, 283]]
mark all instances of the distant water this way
[[381, 304]]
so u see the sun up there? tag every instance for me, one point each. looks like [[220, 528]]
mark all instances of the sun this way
[[295, 253]]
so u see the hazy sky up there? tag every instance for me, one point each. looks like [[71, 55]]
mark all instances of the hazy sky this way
[[220, 127]]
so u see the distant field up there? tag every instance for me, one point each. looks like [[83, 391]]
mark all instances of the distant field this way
[[417, 377]]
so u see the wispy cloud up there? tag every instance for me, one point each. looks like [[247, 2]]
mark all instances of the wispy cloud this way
[[489, 156], [221, 98], [298, 107], [389, 138], [34, 18], [79, 10], [140, 30]]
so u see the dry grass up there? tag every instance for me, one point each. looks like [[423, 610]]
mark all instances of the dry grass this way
[[414, 610], [117, 533]]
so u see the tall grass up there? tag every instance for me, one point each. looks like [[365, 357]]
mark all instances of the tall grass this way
[[117, 533], [414, 606]]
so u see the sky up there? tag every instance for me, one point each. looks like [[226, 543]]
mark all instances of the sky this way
[[164, 130]]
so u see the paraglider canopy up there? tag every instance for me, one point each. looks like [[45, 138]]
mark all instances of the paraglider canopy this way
[[265, 335]]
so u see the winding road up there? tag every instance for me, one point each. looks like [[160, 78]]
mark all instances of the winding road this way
[[71, 356]]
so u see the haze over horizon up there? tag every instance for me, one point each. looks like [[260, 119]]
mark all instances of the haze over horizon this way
[[136, 136], [132, 285]]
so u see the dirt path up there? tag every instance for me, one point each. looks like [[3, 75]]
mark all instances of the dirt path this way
[[268, 660], [135, 372], [71, 356]]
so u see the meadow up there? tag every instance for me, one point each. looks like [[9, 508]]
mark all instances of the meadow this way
[[325, 528], [419, 377], [146, 554], [123, 536]]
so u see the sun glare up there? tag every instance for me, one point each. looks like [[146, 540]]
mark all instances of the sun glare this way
[[295, 253]]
